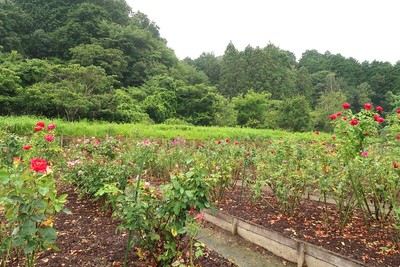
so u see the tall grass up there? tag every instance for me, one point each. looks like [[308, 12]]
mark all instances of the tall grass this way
[[23, 125]]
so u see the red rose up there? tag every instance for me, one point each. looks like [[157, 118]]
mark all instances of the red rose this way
[[379, 108], [398, 137], [395, 165], [49, 137], [27, 147], [376, 116], [346, 105], [380, 119], [354, 122], [39, 165], [398, 111], [236, 143], [316, 132], [338, 114], [51, 126], [333, 116], [227, 140], [219, 142], [38, 128], [40, 123], [368, 106]]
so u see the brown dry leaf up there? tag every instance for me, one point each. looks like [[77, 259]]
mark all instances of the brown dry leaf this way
[[76, 251], [307, 236], [321, 233]]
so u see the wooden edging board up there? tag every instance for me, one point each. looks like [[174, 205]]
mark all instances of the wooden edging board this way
[[291, 249]]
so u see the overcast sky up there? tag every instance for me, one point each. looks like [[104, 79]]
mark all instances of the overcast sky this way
[[362, 29]]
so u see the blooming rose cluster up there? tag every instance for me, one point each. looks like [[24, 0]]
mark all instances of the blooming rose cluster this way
[[40, 125], [367, 106], [38, 164]]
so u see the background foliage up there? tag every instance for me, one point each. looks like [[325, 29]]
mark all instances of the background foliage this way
[[98, 60]]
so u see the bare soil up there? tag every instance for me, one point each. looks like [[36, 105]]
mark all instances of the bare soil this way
[[377, 245], [87, 238]]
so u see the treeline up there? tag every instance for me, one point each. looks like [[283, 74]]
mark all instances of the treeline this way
[[98, 60]]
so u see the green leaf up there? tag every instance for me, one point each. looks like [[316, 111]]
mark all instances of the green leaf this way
[[4, 177], [198, 253], [175, 263], [43, 191], [67, 211], [189, 193], [154, 236], [176, 185], [177, 208], [28, 228], [58, 206], [48, 234], [63, 198], [30, 247], [190, 174]]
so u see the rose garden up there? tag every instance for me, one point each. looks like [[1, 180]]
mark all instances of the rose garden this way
[[156, 189]]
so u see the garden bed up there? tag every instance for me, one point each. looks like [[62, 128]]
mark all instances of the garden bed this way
[[377, 246], [87, 238]]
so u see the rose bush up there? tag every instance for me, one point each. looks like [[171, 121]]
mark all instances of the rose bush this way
[[29, 198]]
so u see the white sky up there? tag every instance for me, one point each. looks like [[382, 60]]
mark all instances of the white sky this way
[[362, 29]]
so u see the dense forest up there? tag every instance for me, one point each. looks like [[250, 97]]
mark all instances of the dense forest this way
[[98, 60]]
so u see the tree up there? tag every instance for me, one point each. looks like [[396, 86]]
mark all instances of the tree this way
[[313, 61], [72, 91], [304, 84], [195, 104], [84, 24], [251, 108], [127, 109], [295, 114], [359, 95], [224, 112], [143, 21], [10, 83], [328, 103], [111, 60], [33, 71], [160, 106], [232, 79], [145, 55], [188, 74], [210, 65], [382, 79], [15, 25]]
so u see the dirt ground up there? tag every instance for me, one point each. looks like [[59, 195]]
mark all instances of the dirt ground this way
[[87, 238], [378, 245]]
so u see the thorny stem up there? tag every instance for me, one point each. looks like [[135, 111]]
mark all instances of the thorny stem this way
[[130, 232], [243, 179]]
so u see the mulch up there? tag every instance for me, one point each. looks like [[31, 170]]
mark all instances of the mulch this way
[[378, 245], [87, 238]]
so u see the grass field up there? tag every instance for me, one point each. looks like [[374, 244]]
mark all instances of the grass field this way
[[23, 126]]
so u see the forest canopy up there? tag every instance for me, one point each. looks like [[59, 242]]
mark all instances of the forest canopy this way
[[98, 60]]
